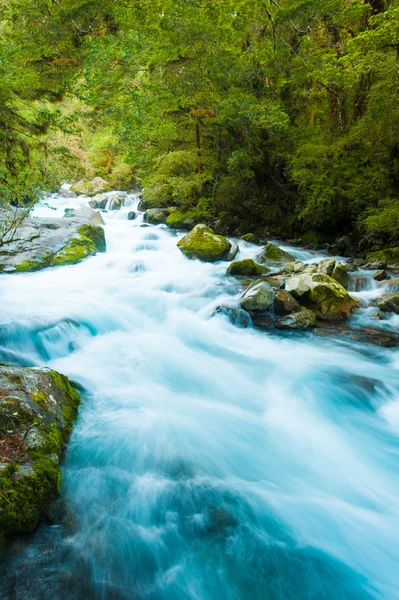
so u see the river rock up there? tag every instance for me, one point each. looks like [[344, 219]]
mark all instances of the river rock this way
[[389, 302], [99, 201], [232, 253], [247, 268], [384, 259], [204, 244], [298, 285], [258, 297], [328, 298], [381, 275], [40, 243], [272, 254], [156, 216], [294, 267], [88, 215], [37, 410], [67, 193], [285, 303], [90, 188], [251, 238], [131, 215], [303, 319], [334, 269]]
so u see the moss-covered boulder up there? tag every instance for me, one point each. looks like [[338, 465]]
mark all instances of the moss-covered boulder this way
[[41, 243], [204, 244], [247, 268], [90, 188], [251, 238], [328, 298], [389, 302], [272, 254], [384, 259], [183, 219], [334, 269], [156, 216], [37, 410], [258, 297]]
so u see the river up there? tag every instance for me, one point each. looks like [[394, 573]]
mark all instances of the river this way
[[209, 461]]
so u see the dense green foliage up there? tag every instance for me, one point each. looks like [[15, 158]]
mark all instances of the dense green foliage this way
[[277, 116]]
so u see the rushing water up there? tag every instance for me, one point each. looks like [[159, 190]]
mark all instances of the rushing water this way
[[209, 461]]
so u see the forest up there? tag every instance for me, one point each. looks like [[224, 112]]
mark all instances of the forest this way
[[278, 117]]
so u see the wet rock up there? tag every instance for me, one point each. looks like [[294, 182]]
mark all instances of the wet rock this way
[[246, 267], [259, 297], [304, 319], [285, 303], [90, 188], [272, 254], [232, 253], [389, 302], [99, 201], [41, 243], [381, 275], [131, 215], [364, 335], [156, 216], [390, 285], [67, 193], [262, 320], [204, 244], [37, 410], [251, 238]]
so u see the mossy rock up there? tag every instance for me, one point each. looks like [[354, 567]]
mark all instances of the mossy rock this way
[[388, 258], [183, 219], [204, 244], [88, 240], [303, 319], [247, 268], [328, 298], [156, 216], [37, 411], [90, 188], [251, 238], [334, 269], [272, 254]]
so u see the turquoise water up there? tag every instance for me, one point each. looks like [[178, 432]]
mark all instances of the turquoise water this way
[[208, 461]]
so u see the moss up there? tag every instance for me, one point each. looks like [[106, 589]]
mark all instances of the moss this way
[[40, 398], [385, 258], [89, 240], [70, 409], [329, 299], [273, 254], [203, 244], [24, 498], [251, 238], [183, 219], [246, 267]]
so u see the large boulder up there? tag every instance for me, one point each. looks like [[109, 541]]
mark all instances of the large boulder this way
[[389, 302], [258, 297], [156, 216], [247, 267], [334, 269], [37, 410], [303, 319], [294, 267], [204, 244], [90, 188], [272, 254], [328, 298], [41, 243], [323, 294]]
